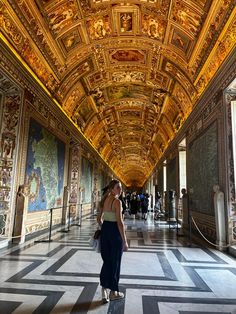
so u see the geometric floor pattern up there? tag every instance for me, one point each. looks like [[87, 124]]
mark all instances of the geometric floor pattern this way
[[159, 274]]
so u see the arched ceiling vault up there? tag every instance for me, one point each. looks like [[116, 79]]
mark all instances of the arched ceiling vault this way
[[128, 74]]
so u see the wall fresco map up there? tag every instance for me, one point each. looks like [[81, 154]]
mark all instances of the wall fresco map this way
[[44, 168]]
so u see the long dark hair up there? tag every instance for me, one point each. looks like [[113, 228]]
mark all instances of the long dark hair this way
[[107, 190]]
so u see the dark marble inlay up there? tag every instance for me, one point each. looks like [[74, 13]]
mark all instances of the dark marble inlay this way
[[150, 303], [197, 280], [163, 241], [166, 267], [214, 256], [52, 297], [7, 307], [182, 259], [17, 277], [191, 312], [169, 274], [84, 302]]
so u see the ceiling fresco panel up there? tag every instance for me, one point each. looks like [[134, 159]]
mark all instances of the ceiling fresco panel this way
[[129, 77], [73, 98], [72, 39], [61, 15], [179, 75], [129, 91], [126, 19], [128, 55], [153, 27], [189, 17], [94, 80], [212, 31], [9, 27], [127, 74], [180, 97], [181, 41], [73, 77], [99, 27]]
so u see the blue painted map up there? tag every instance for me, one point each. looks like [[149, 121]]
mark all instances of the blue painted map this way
[[86, 180], [44, 168]]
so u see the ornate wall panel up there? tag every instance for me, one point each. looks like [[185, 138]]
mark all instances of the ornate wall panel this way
[[160, 180], [231, 179], [202, 170], [10, 115], [74, 196], [171, 174]]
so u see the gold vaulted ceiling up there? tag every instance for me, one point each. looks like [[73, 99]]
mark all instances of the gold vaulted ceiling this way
[[128, 74]]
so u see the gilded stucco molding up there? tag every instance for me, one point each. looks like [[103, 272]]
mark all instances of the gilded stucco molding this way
[[121, 65], [37, 33]]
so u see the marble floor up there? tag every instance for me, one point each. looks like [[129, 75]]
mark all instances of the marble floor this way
[[160, 274]]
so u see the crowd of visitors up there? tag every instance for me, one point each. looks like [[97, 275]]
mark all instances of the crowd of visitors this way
[[138, 205]]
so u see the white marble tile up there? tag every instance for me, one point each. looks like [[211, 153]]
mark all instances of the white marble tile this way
[[132, 303], [10, 268], [228, 259], [205, 264], [195, 254], [222, 282], [40, 248], [166, 308], [132, 264], [175, 308], [156, 282], [141, 264], [82, 261], [172, 293]]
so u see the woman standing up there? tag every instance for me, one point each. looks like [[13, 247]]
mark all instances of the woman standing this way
[[113, 241]]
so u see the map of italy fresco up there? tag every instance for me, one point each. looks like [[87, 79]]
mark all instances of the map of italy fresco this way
[[44, 168]]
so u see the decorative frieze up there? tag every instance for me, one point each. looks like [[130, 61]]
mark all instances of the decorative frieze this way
[[75, 174], [10, 121]]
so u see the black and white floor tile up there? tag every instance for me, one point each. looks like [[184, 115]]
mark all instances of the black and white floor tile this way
[[160, 274]]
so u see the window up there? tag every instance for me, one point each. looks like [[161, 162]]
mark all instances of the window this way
[[164, 177], [182, 166]]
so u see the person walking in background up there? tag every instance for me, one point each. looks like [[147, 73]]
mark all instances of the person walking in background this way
[[113, 241], [134, 204], [122, 199], [144, 205], [128, 197]]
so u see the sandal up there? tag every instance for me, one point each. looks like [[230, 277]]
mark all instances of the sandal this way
[[116, 295], [105, 298]]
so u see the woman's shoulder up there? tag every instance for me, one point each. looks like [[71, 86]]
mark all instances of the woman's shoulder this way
[[111, 202], [117, 203]]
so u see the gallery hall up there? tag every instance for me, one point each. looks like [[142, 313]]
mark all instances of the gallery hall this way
[[117, 156]]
